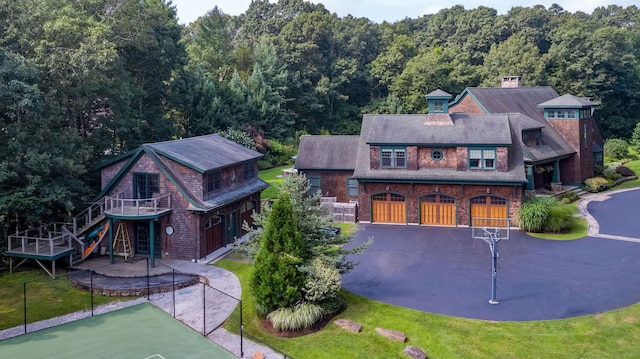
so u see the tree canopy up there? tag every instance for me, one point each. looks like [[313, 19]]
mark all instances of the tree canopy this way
[[87, 79]]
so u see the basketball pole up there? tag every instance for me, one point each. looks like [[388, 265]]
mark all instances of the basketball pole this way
[[494, 267]]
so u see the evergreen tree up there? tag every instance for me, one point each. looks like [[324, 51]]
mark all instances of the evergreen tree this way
[[276, 281]]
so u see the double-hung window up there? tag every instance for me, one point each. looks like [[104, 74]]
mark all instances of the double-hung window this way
[[393, 157], [214, 181], [249, 170], [314, 184], [482, 158], [352, 187]]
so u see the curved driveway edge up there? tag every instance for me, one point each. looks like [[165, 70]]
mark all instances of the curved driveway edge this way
[[442, 270]]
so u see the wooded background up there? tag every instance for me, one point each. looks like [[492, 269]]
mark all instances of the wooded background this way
[[84, 80]]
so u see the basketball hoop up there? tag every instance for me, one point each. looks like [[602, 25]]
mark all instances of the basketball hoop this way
[[491, 231]]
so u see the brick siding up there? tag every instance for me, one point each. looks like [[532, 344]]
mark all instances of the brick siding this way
[[462, 194]]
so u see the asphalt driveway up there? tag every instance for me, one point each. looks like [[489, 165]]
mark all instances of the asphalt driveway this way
[[445, 271]]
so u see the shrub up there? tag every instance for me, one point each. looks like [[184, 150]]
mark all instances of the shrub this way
[[595, 184], [635, 138], [569, 197], [323, 281], [334, 304], [275, 280], [302, 316], [610, 173], [625, 171], [616, 148], [558, 220]]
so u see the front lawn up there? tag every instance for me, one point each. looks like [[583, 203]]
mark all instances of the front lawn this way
[[46, 297], [609, 335], [272, 177]]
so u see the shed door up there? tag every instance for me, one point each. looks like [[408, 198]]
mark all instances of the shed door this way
[[489, 207], [213, 234], [438, 209], [388, 208]]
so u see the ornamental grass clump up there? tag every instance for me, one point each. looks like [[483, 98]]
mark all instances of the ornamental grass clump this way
[[532, 215], [302, 316], [543, 214]]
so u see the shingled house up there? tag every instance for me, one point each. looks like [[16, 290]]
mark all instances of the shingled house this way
[[181, 199], [473, 157]]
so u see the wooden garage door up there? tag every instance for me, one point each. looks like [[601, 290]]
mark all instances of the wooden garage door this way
[[489, 207], [388, 208], [438, 209]]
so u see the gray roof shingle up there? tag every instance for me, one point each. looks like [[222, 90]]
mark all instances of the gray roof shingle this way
[[478, 129], [567, 101], [522, 100], [327, 152], [204, 153], [414, 129]]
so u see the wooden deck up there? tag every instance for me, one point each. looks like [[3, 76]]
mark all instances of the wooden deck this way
[[145, 208], [46, 243], [50, 243]]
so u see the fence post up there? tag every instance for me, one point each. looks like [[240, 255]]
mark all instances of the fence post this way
[[241, 330], [91, 273], [148, 286], [204, 309], [173, 280], [24, 303]]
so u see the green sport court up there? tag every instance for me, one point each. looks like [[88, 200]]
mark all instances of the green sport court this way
[[137, 332]]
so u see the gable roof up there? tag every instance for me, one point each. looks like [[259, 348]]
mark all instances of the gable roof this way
[[327, 153], [554, 146], [416, 130], [522, 100], [204, 153], [168, 150], [522, 105], [567, 101], [466, 130]]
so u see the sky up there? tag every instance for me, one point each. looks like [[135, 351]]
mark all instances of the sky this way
[[388, 10]]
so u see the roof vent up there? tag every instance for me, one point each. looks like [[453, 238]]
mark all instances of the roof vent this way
[[511, 81]]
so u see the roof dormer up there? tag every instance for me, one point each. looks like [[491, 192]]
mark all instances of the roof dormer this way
[[567, 107], [438, 101]]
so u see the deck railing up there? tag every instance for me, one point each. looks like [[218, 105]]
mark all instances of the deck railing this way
[[137, 207], [47, 240]]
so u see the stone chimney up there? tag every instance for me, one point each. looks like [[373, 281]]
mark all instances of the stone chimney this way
[[511, 81]]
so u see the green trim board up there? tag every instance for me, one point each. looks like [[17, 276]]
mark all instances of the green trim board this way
[[140, 331], [464, 93], [142, 217], [184, 163], [39, 256], [121, 173], [440, 145], [421, 181]]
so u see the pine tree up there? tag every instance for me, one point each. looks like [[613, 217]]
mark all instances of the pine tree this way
[[276, 281]]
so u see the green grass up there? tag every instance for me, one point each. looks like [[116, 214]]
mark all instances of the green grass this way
[[271, 176], [347, 229], [578, 226], [46, 297], [613, 334]]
